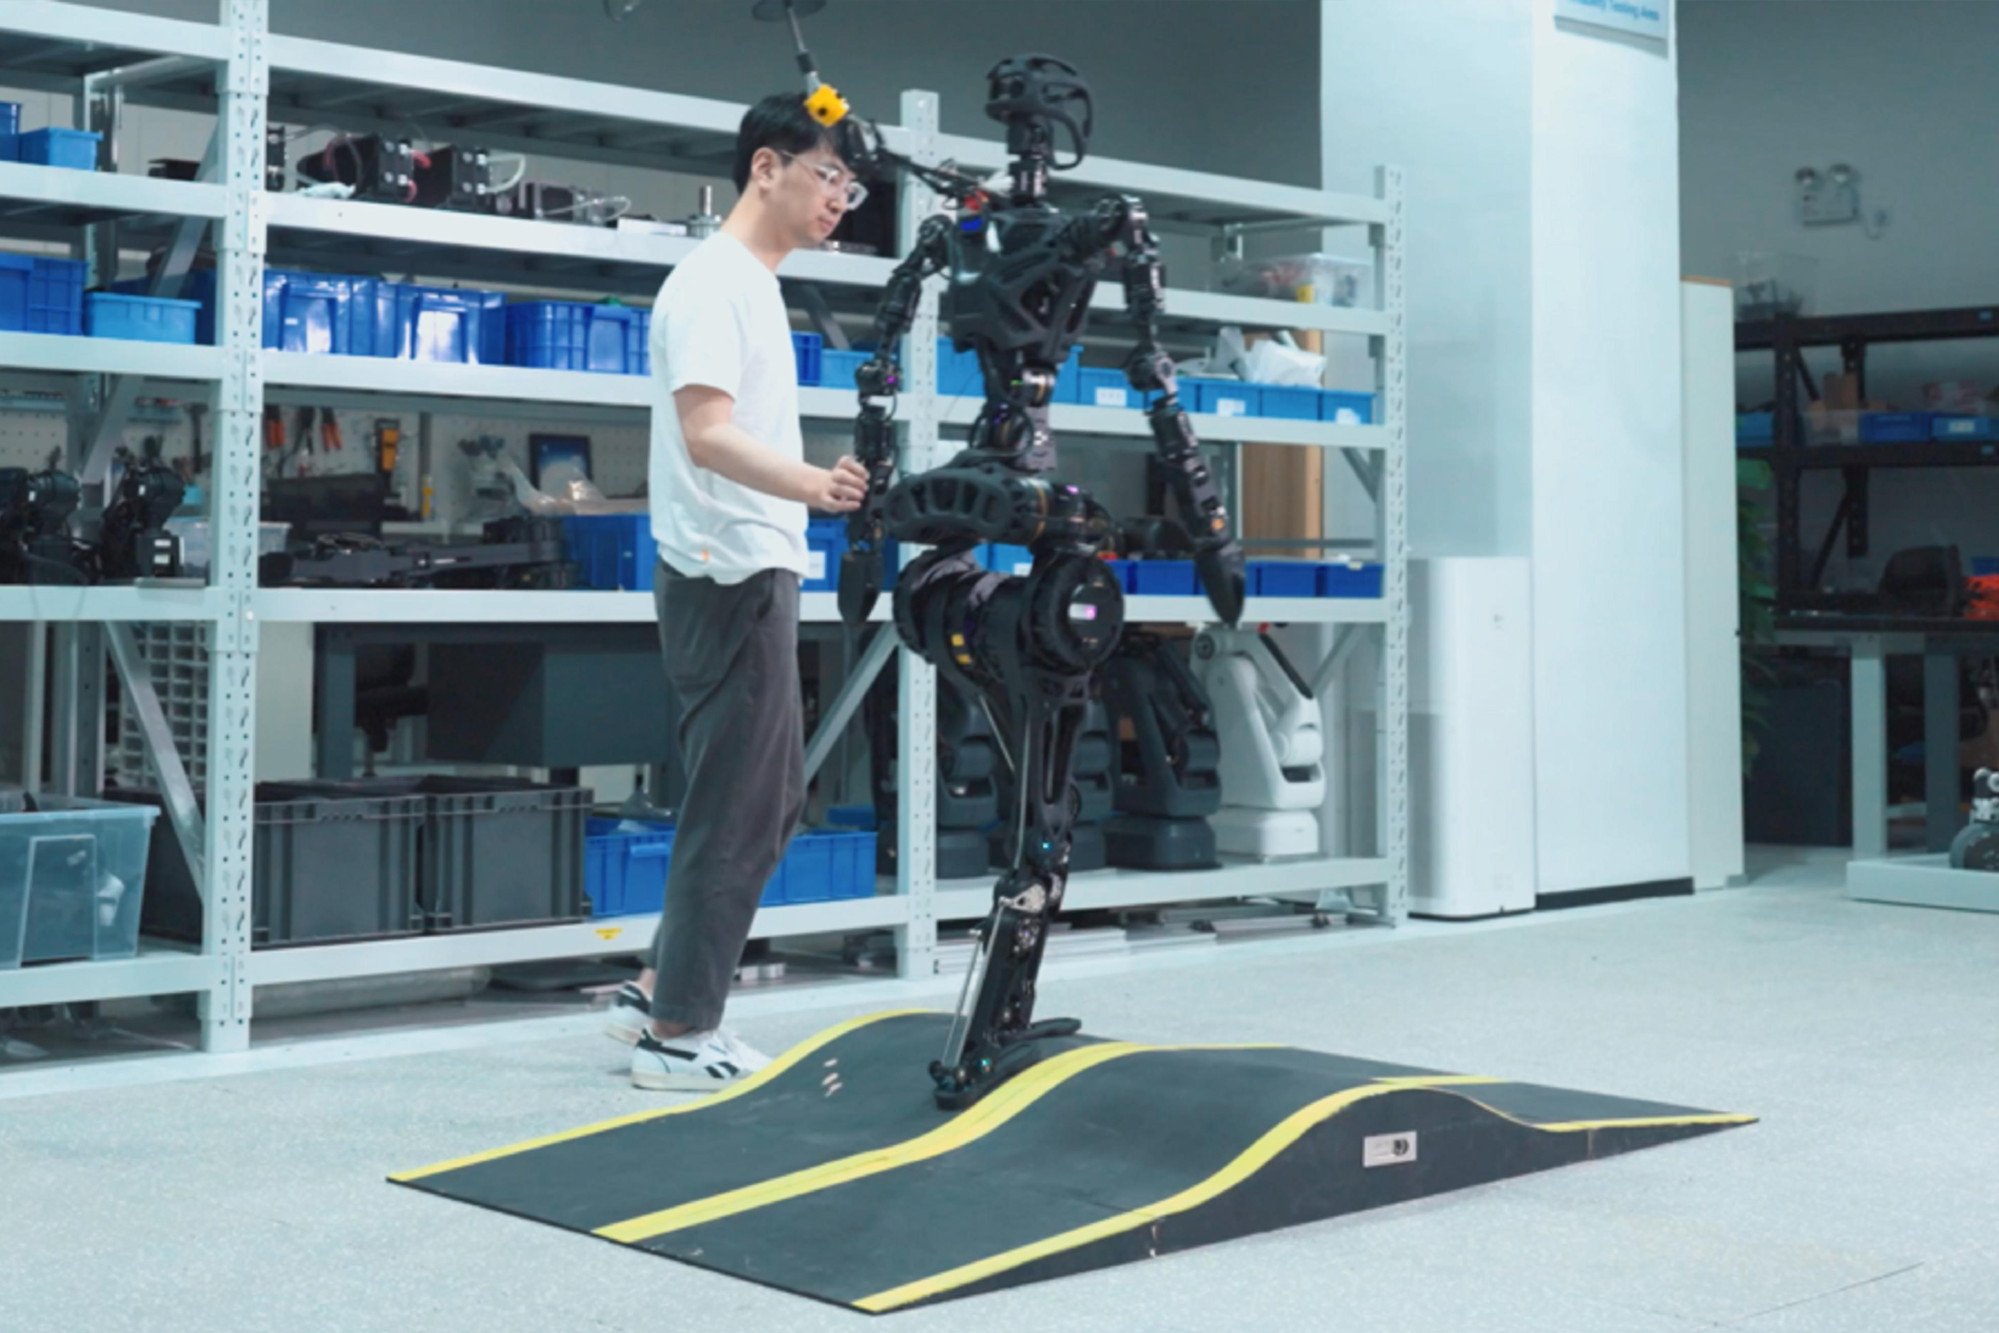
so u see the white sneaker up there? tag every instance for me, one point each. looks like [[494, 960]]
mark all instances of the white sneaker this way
[[691, 1062], [749, 1057], [630, 1013]]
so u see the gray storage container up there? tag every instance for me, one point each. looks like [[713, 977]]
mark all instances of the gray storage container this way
[[325, 866], [495, 851]]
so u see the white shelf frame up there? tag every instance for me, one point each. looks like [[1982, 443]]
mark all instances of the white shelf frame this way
[[242, 377]]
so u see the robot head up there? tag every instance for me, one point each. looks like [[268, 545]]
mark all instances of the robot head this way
[[1031, 95]]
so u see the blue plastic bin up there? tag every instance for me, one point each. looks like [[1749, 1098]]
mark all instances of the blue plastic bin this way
[[1346, 409], [417, 323], [1290, 402], [41, 295], [1163, 578], [1069, 378], [1983, 566], [1121, 570], [72, 880], [333, 313], [329, 313], [853, 817], [836, 368], [824, 865], [1283, 578], [1894, 427], [806, 350], [576, 335], [1951, 427], [624, 865], [612, 551], [1755, 427], [1344, 580], [1106, 388], [154, 319], [1222, 398], [826, 542], [958, 372], [76, 149], [1004, 559]]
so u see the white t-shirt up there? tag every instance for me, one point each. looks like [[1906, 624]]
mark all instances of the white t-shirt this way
[[720, 321]]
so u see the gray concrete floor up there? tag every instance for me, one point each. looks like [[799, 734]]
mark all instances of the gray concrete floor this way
[[1866, 1037]]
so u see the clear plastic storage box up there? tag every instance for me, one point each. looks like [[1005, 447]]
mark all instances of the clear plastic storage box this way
[[72, 880]]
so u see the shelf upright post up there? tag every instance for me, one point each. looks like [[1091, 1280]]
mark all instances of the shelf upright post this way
[[1391, 381], [232, 659], [916, 709]]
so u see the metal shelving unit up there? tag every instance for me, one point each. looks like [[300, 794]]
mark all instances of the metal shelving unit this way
[[246, 75]]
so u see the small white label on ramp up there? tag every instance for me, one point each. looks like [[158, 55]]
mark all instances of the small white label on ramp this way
[[1388, 1149]]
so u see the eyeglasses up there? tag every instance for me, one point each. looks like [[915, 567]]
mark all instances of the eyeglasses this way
[[834, 179]]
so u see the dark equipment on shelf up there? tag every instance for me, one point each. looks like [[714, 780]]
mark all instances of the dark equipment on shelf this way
[[1923, 581], [967, 771], [35, 543], [132, 540], [516, 553], [1169, 759], [453, 177], [342, 504], [1976, 846], [547, 202], [1020, 276], [377, 168]]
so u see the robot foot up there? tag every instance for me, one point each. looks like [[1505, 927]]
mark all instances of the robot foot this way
[[985, 1067]]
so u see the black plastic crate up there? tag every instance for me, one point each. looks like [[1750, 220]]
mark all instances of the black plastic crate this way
[[494, 852], [326, 865]]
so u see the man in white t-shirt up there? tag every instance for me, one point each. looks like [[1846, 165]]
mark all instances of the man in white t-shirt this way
[[730, 488]]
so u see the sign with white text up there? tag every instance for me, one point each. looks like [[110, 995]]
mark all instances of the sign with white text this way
[[1646, 18]]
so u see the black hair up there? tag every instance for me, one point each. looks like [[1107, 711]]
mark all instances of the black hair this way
[[780, 123]]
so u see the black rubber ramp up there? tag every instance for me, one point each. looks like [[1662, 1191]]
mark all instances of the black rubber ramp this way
[[833, 1175]]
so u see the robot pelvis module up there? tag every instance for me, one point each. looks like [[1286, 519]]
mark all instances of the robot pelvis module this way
[[1019, 275]]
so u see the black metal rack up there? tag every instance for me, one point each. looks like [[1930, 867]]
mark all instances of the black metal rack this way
[[1790, 456]]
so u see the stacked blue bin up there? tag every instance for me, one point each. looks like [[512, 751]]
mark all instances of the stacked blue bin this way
[[826, 542], [836, 368], [612, 551], [442, 324], [806, 349], [575, 335], [1105, 388], [626, 863], [1347, 409], [40, 295], [53, 147], [158, 319]]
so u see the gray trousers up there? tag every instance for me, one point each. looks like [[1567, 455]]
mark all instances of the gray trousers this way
[[732, 658]]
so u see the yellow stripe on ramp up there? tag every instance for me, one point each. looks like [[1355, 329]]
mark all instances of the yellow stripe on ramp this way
[[1246, 1164], [816, 1042], [985, 1116]]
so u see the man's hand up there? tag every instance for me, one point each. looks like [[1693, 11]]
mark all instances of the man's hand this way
[[838, 490]]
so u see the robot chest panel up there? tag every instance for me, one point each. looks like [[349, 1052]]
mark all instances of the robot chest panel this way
[[1011, 286]]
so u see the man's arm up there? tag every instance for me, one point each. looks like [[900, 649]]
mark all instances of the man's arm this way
[[716, 443]]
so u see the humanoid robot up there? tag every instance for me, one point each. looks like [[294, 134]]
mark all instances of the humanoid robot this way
[[1019, 276]]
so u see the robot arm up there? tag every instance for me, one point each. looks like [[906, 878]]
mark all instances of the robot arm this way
[[878, 381], [1121, 223]]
